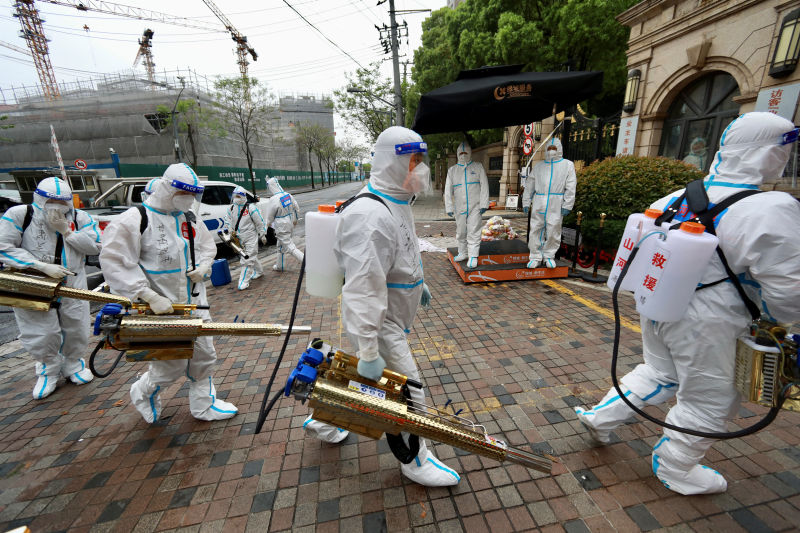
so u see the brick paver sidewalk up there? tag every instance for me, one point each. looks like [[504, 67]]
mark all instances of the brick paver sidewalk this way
[[516, 356]]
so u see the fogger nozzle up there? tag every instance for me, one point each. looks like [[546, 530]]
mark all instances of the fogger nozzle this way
[[38, 293]]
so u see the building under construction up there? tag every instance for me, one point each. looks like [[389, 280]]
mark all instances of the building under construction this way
[[114, 124]]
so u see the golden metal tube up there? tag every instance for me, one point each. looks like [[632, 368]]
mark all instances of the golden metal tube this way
[[389, 416], [136, 327], [27, 285], [83, 294]]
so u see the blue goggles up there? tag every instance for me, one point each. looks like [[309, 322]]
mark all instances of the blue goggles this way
[[411, 148], [53, 196], [790, 136], [196, 189], [240, 193]]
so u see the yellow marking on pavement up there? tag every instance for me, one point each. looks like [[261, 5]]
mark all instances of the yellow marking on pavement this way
[[592, 305]]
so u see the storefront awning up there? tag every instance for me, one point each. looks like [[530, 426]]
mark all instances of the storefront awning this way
[[493, 97]]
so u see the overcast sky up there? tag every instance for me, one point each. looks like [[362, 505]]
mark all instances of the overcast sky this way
[[292, 56]]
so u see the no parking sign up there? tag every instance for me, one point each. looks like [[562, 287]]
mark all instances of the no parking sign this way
[[80, 164], [527, 146]]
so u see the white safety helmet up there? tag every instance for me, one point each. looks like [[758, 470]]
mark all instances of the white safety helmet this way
[[239, 196], [399, 166], [753, 147], [274, 187], [52, 188]]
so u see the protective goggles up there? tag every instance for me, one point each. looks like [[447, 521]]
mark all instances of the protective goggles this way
[[53, 195], [240, 193], [411, 148], [196, 189]]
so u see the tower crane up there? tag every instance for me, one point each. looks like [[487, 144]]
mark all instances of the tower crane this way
[[145, 45], [242, 48], [33, 33]]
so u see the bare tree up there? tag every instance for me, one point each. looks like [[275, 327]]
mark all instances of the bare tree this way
[[310, 137], [248, 117]]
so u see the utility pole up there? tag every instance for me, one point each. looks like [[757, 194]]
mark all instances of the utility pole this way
[[398, 97]]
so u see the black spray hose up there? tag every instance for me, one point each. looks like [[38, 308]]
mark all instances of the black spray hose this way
[[94, 370], [265, 409], [761, 424]]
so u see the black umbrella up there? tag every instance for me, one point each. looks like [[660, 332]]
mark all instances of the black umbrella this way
[[493, 97]]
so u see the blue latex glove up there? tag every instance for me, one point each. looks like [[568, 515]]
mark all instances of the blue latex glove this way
[[426, 298], [525, 210], [565, 212], [372, 369], [449, 213], [483, 210]]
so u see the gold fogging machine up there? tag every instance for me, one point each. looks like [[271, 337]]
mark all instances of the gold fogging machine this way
[[341, 397], [141, 336], [767, 370], [231, 240]]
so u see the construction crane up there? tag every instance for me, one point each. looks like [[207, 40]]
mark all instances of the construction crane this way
[[33, 33], [15, 48], [242, 48], [145, 45]]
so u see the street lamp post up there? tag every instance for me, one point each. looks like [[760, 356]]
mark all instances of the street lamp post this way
[[174, 122]]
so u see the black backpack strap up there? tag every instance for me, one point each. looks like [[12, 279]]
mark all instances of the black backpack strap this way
[[362, 195], [28, 217], [241, 214], [707, 219], [143, 220], [671, 210], [189, 216], [696, 196]]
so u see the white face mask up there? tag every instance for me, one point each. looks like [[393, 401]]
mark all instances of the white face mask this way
[[549, 155], [239, 200], [418, 180], [183, 202], [59, 208]]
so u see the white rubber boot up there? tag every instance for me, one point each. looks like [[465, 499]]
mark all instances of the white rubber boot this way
[[429, 471], [608, 414], [324, 432], [146, 399], [77, 372], [46, 381], [677, 467], [204, 404]]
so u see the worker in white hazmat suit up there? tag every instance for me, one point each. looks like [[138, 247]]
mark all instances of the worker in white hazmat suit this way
[[155, 264], [378, 250], [551, 190], [55, 240], [466, 196], [693, 358], [283, 213], [245, 221]]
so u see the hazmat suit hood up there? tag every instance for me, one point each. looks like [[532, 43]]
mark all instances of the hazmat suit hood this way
[[177, 177], [555, 141], [273, 186], [701, 151], [52, 188], [389, 171], [750, 149], [464, 158]]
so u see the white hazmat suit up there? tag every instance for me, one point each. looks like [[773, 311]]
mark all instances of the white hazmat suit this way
[[58, 338], [245, 221], [551, 190], [377, 247], [466, 196], [283, 213], [156, 266], [693, 358]]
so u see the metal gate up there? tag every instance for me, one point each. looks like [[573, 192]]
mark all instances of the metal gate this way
[[588, 139]]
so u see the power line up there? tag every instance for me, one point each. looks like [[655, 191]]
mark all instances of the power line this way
[[320, 32]]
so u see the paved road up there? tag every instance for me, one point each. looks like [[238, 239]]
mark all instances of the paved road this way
[[307, 201]]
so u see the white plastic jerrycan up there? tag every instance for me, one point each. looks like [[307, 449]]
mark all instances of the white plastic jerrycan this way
[[638, 225], [674, 268], [324, 278]]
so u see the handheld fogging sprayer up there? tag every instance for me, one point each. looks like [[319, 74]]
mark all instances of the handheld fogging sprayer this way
[[339, 396], [663, 264]]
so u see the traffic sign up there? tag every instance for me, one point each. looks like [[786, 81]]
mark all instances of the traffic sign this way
[[80, 164], [528, 129], [527, 146]]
